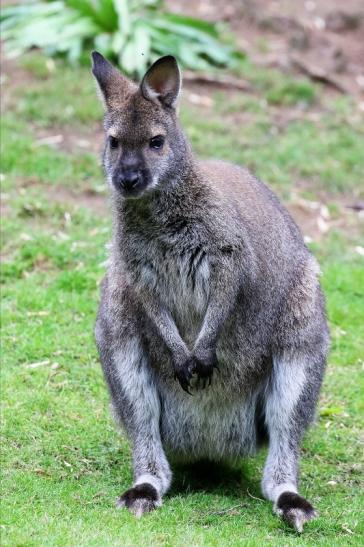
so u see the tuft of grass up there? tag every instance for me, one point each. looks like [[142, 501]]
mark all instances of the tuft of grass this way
[[25, 160], [38, 65], [323, 154], [292, 92], [63, 462], [65, 97]]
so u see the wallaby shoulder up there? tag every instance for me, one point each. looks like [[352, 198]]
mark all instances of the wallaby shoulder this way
[[236, 185]]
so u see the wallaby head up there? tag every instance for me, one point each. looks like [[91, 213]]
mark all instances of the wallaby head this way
[[145, 147]]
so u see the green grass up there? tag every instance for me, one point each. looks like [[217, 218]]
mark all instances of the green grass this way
[[324, 154], [63, 463]]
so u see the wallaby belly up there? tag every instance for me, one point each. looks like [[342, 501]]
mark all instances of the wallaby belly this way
[[208, 424]]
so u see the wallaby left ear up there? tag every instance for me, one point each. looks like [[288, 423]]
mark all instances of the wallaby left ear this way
[[113, 85], [162, 82]]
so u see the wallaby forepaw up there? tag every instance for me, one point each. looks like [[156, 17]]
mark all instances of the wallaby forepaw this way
[[140, 499], [205, 365], [295, 510], [183, 373]]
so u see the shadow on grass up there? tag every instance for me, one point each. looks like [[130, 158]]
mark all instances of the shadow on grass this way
[[214, 478]]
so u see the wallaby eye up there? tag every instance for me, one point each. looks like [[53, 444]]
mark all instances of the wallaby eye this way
[[114, 143], [157, 142]]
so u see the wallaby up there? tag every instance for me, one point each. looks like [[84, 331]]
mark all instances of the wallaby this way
[[211, 328]]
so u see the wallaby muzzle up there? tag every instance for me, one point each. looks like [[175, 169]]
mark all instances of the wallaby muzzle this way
[[131, 181]]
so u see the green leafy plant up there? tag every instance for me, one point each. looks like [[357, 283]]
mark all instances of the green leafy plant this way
[[132, 33]]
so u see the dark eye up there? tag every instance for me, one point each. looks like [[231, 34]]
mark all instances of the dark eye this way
[[157, 142], [114, 143]]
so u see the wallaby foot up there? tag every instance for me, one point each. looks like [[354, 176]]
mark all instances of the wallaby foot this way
[[140, 499], [294, 509]]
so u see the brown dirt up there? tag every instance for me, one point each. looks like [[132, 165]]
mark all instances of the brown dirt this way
[[95, 201], [316, 222], [12, 77], [71, 139]]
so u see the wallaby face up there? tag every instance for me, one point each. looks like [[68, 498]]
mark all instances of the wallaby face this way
[[143, 140], [211, 327]]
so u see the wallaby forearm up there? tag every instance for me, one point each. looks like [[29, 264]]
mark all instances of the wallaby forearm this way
[[165, 325], [182, 361], [224, 290]]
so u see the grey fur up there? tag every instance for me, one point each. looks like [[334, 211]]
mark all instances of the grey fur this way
[[207, 269]]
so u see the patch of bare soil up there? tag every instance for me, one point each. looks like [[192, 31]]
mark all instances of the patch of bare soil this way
[[70, 139], [95, 201], [12, 77], [316, 221], [323, 39]]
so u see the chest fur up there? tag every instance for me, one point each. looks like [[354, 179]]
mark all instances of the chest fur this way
[[178, 274]]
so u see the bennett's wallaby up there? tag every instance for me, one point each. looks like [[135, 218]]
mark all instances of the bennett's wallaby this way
[[210, 291]]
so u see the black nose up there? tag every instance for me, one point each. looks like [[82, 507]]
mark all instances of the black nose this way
[[129, 179]]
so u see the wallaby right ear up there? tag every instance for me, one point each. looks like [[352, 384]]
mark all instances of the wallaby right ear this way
[[162, 82], [112, 84]]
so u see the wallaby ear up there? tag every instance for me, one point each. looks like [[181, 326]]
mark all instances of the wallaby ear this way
[[162, 82], [112, 84]]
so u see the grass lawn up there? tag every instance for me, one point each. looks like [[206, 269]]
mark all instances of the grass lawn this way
[[63, 462]]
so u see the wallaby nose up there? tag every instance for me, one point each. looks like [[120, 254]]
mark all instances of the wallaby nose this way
[[129, 178]]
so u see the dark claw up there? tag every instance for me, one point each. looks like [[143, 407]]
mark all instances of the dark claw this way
[[184, 383], [204, 371], [184, 374], [206, 381], [187, 390]]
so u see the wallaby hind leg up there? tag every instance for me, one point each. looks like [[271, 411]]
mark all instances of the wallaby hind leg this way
[[289, 407], [136, 403]]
